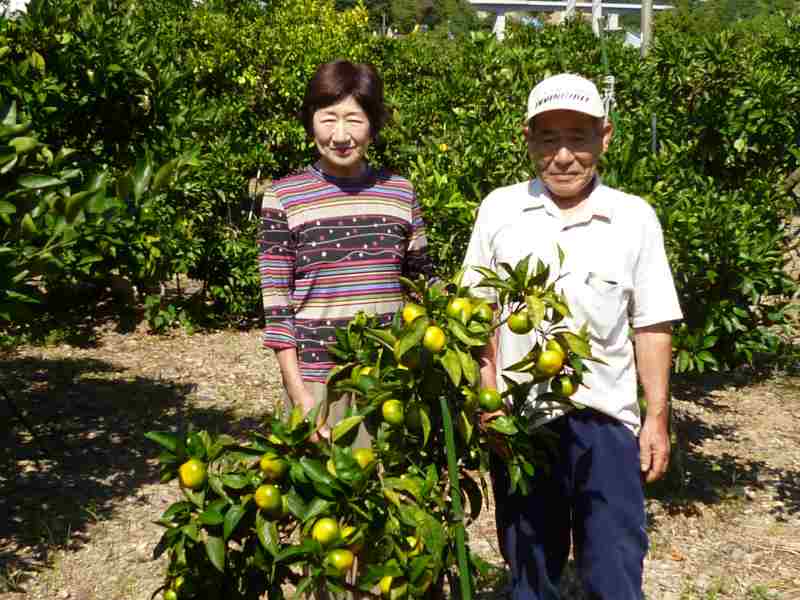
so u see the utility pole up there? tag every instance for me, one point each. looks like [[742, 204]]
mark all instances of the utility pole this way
[[647, 26]]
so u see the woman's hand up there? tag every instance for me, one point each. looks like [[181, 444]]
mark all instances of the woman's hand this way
[[306, 402]]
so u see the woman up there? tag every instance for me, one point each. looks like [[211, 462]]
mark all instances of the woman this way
[[336, 237]]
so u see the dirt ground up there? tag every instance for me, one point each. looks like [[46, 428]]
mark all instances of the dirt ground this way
[[76, 520]]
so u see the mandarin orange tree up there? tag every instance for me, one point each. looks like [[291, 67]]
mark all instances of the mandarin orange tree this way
[[277, 511]]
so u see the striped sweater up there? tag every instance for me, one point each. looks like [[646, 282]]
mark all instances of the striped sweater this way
[[330, 247]]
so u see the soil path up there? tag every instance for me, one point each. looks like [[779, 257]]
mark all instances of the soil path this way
[[76, 521]]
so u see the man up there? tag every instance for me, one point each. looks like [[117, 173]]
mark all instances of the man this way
[[615, 276]]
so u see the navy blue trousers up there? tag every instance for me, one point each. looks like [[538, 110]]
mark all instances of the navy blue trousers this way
[[591, 498]]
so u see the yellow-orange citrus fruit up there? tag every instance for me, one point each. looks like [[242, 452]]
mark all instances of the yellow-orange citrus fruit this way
[[385, 584], [331, 467], [411, 311], [269, 499], [414, 544], [274, 468], [563, 386], [325, 531], [520, 322], [549, 363], [434, 339], [170, 595], [483, 313], [349, 532], [341, 559], [192, 474], [490, 400], [555, 346], [393, 412], [364, 457], [460, 308]]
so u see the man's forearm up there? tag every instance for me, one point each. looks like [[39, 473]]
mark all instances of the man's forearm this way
[[653, 361]]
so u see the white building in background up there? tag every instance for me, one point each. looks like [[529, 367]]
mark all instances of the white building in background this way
[[15, 6]]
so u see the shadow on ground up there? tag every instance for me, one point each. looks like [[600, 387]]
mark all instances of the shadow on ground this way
[[89, 419], [695, 477]]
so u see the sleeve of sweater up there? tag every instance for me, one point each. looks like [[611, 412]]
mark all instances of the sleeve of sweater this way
[[417, 261], [276, 261]]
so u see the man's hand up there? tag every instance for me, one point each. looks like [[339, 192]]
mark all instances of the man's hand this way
[[654, 449], [653, 358]]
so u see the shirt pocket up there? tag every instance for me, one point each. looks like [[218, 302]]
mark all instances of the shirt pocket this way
[[601, 302]]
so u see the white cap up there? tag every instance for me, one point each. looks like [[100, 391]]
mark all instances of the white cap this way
[[565, 92]]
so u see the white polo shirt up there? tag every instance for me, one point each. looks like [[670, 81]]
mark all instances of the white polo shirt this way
[[615, 275]]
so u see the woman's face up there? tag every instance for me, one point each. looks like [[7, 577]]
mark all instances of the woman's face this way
[[342, 135]]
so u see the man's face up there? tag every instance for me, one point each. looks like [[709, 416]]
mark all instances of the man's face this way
[[565, 146]]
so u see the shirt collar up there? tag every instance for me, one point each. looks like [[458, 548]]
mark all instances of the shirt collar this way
[[597, 204]]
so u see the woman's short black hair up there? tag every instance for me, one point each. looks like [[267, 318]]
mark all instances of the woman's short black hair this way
[[335, 81]]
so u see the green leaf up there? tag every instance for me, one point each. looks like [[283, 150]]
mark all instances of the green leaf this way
[[413, 337], [39, 182], [317, 508], [6, 208], [319, 476], [452, 365], [163, 438], [164, 174], [536, 309], [344, 426], [141, 177], [469, 366], [23, 145], [267, 533], [211, 517], [305, 548], [36, 60], [465, 426], [295, 504], [577, 344], [232, 518], [412, 485], [463, 335], [215, 548], [9, 114], [383, 336], [473, 492], [504, 425], [235, 481], [28, 226]]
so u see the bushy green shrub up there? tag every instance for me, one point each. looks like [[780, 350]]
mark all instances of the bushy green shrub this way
[[223, 84]]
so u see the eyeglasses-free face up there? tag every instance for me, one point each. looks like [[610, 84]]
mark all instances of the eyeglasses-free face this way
[[342, 135]]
